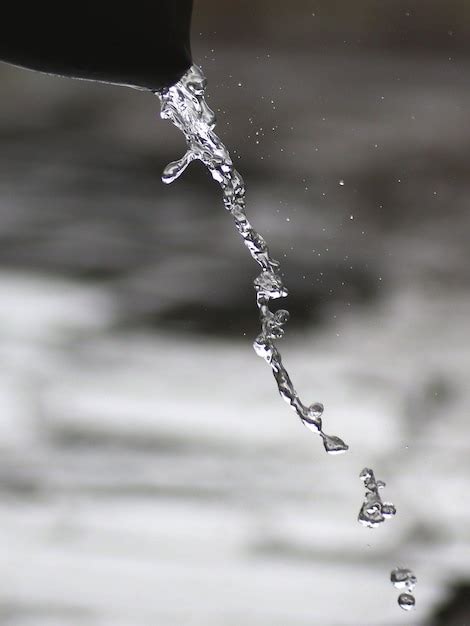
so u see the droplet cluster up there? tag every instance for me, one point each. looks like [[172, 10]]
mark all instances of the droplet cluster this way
[[373, 511], [184, 105], [403, 578]]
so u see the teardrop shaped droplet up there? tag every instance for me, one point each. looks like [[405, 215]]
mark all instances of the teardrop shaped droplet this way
[[334, 445], [174, 169]]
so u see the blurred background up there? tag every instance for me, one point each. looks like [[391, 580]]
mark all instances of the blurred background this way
[[149, 473]]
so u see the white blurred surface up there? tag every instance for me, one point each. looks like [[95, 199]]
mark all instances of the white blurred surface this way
[[154, 479]]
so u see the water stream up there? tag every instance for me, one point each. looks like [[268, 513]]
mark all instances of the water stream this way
[[185, 106]]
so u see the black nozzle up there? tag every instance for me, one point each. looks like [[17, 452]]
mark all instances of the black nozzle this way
[[143, 44]]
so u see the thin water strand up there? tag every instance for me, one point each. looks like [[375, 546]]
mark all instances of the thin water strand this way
[[184, 105], [373, 511]]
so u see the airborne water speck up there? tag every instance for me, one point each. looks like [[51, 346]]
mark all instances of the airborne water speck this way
[[185, 106]]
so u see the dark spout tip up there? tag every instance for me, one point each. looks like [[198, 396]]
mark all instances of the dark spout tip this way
[[141, 44]]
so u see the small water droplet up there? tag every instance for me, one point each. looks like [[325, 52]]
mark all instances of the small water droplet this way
[[388, 509], [341, 182], [316, 410], [403, 578], [406, 601], [269, 285], [334, 445], [282, 316], [174, 170]]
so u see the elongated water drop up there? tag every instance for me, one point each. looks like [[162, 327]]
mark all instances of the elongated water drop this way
[[174, 170], [334, 445]]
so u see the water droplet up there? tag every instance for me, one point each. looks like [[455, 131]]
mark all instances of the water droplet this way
[[341, 182], [388, 509], [282, 316], [334, 445], [406, 601], [174, 170], [403, 578], [269, 285], [373, 511], [316, 410]]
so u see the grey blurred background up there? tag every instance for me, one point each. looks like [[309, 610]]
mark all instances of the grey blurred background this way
[[149, 474]]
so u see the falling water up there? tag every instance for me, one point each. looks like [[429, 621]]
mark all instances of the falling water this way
[[403, 578], [406, 601], [185, 106], [373, 511]]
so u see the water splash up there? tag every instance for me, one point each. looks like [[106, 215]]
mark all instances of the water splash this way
[[374, 511], [403, 578], [184, 105]]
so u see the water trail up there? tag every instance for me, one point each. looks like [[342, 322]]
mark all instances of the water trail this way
[[403, 578], [185, 106], [373, 512]]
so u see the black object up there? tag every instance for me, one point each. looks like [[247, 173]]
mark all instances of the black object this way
[[143, 44]]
